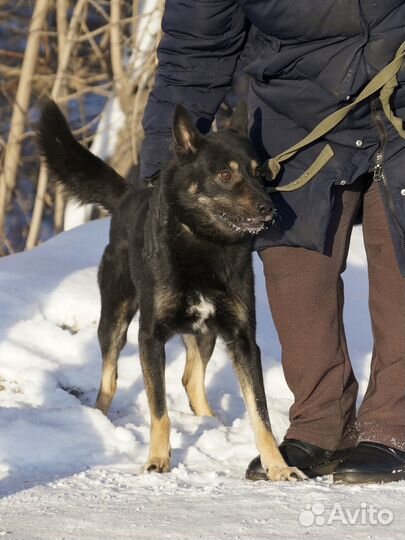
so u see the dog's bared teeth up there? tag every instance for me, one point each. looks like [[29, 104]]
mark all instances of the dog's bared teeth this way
[[244, 227], [254, 231]]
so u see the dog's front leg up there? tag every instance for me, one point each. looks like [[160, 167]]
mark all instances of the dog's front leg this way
[[152, 355], [246, 357]]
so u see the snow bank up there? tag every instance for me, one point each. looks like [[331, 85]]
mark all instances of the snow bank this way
[[54, 442], [48, 358]]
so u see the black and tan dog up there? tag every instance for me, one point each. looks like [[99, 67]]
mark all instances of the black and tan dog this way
[[180, 252]]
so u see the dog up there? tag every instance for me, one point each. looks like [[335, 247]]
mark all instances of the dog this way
[[180, 252]]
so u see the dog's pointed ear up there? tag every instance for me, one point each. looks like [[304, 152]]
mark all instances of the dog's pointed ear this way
[[185, 134], [239, 119]]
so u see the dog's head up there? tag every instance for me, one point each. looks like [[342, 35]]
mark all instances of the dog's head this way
[[215, 185]]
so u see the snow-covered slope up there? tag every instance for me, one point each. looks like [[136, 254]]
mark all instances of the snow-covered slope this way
[[68, 472]]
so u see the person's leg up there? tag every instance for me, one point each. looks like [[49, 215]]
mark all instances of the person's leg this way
[[381, 417], [305, 292]]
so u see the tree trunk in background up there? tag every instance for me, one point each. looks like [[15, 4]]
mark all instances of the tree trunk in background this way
[[12, 154], [62, 7], [97, 60], [57, 87]]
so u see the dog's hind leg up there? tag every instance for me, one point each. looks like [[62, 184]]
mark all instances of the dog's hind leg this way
[[246, 357], [118, 306], [199, 351], [153, 361]]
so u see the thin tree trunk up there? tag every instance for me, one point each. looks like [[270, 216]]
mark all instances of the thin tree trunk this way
[[12, 156], [120, 78], [60, 76], [62, 27]]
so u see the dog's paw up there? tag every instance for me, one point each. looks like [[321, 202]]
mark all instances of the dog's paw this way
[[157, 464], [289, 474]]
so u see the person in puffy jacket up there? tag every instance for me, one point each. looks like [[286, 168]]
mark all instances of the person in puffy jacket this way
[[304, 61]]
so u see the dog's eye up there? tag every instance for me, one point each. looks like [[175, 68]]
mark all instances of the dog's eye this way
[[257, 172], [225, 174]]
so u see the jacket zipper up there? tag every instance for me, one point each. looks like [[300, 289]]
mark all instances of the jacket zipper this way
[[379, 174]]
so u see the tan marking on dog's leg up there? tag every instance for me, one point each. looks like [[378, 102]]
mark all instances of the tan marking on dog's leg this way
[[272, 460], [108, 385], [159, 448], [152, 355], [194, 378], [109, 374]]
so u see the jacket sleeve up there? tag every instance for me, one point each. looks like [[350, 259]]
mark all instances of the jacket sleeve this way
[[197, 58]]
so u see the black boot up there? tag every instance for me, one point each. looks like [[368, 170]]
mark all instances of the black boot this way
[[310, 459], [371, 462]]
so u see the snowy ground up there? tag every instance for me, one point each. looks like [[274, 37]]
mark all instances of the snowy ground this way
[[67, 472]]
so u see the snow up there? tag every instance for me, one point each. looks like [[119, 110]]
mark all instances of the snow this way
[[68, 472]]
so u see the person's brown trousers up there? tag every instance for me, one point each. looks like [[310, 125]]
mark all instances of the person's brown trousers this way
[[305, 291]]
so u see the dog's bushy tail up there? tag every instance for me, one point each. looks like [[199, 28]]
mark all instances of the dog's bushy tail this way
[[82, 174]]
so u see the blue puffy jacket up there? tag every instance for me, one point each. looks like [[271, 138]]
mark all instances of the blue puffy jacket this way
[[305, 58]]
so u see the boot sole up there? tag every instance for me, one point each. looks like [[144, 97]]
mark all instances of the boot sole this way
[[367, 478], [312, 472]]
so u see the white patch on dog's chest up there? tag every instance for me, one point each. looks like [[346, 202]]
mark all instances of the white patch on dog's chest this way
[[203, 309]]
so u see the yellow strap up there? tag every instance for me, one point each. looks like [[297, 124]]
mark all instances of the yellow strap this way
[[317, 165], [386, 94], [385, 80]]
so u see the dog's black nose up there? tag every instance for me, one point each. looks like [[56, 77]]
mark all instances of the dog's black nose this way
[[264, 207]]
